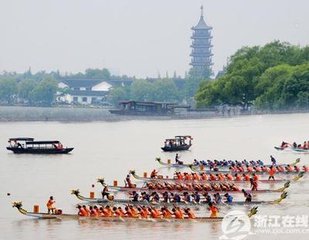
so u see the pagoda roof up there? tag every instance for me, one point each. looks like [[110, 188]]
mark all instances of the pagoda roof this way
[[201, 24]]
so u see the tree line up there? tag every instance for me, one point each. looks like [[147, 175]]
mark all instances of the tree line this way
[[274, 77]]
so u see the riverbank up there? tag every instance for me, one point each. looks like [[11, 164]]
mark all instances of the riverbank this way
[[79, 114]]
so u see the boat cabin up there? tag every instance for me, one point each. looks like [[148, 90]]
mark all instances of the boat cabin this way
[[147, 108], [178, 143]]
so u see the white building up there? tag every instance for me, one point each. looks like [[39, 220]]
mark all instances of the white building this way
[[83, 91]]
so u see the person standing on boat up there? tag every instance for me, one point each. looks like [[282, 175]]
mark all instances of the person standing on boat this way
[[273, 160], [177, 159], [50, 205], [105, 192], [272, 171], [128, 182], [248, 196], [254, 184]]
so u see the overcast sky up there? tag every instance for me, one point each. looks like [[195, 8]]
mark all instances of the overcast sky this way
[[138, 37]]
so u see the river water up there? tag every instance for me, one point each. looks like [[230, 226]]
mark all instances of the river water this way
[[111, 149]]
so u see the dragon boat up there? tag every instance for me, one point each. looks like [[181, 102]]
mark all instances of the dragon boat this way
[[62, 216], [177, 165], [194, 189], [175, 180], [92, 200]]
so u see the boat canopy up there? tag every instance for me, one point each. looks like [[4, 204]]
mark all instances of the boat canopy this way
[[42, 142], [21, 139]]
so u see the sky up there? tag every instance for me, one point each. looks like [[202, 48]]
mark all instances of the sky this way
[[139, 38]]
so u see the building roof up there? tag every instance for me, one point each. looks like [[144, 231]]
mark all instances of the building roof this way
[[88, 93], [201, 24], [78, 83]]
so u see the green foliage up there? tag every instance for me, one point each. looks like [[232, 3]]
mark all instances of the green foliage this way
[[25, 90], [98, 73], [44, 92], [163, 90], [8, 89], [274, 76]]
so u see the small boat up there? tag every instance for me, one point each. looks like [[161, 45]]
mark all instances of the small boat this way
[[174, 180], [179, 143], [169, 204], [28, 145], [62, 216]]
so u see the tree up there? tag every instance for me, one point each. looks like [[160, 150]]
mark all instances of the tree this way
[[25, 89], [44, 92], [262, 75], [8, 89], [98, 73]]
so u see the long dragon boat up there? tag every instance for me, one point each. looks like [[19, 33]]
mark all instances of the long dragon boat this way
[[169, 204], [145, 189], [175, 180], [177, 165], [199, 170], [62, 216]]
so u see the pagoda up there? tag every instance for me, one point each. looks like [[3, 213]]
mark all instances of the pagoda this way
[[201, 48]]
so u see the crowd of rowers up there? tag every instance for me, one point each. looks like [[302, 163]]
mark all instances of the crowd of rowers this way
[[226, 163], [186, 197], [305, 145], [140, 212], [239, 173], [195, 186]]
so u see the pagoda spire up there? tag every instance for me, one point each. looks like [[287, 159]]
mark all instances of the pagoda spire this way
[[201, 55]]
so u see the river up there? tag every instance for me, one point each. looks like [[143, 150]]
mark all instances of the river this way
[[111, 149]]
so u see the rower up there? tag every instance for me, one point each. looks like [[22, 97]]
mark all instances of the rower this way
[[178, 213], [190, 213], [196, 197], [81, 211], [187, 197], [135, 196], [305, 168], [93, 212], [176, 198], [154, 173], [155, 197], [195, 162], [229, 198], [166, 213], [166, 197], [247, 195], [86, 210], [50, 205], [296, 169], [213, 210], [207, 197], [217, 198], [246, 177]]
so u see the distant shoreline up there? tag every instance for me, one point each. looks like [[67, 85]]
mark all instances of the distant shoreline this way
[[70, 114]]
